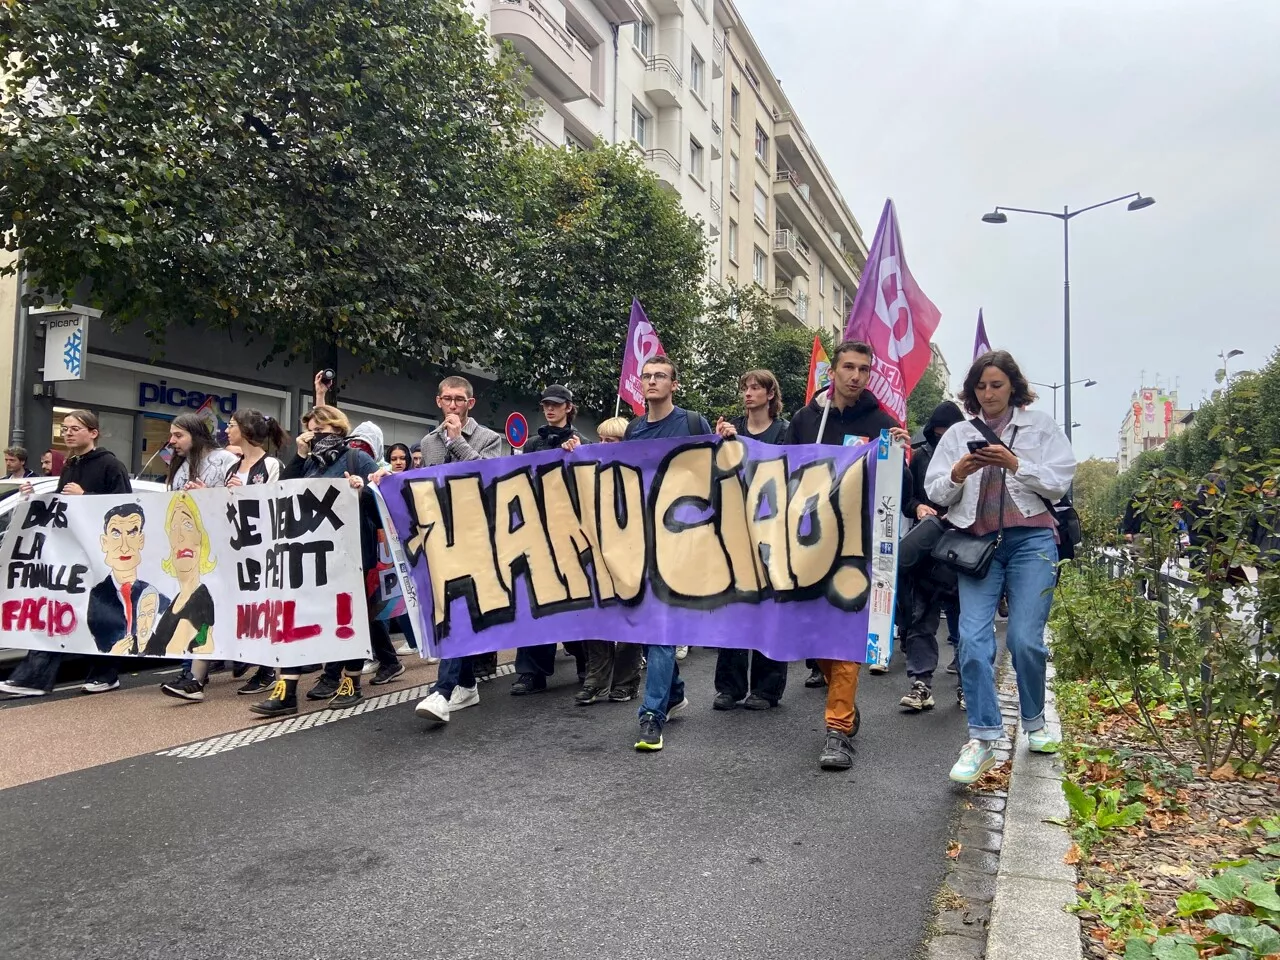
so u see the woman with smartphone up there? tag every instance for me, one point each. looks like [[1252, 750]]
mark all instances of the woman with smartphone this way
[[998, 474]]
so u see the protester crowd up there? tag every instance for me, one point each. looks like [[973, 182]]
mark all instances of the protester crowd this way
[[981, 490]]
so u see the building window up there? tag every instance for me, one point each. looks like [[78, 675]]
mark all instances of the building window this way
[[759, 264], [732, 241], [695, 159], [762, 145], [697, 67], [734, 170], [735, 105], [836, 299], [822, 277], [751, 76], [762, 206], [639, 127], [643, 37]]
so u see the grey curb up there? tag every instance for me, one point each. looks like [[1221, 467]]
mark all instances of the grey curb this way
[[1033, 884]]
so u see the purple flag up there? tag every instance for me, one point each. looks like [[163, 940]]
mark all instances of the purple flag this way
[[722, 543], [981, 344], [642, 344], [892, 314]]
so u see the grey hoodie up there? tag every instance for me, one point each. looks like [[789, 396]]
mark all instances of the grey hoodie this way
[[370, 433]]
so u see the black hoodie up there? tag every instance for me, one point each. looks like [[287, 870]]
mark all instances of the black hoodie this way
[[97, 471], [945, 416], [862, 422], [550, 438]]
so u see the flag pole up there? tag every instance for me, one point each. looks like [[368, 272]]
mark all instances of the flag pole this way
[[822, 427], [617, 405]]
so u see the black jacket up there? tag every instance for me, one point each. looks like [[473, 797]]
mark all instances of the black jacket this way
[[97, 471], [550, 438], [864, 420], [944, 416]]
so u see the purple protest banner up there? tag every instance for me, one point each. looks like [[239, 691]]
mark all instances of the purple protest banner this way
[[718, 543]]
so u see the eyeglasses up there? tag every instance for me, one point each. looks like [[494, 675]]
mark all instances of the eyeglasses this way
[[655, 377], [454, 399]]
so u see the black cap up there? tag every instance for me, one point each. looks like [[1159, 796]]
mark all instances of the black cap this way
[[557, 394]]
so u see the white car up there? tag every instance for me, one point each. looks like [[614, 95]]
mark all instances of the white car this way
[[10, 498]]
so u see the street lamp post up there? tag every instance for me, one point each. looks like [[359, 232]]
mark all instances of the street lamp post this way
[[1055, 387], [1136, 202]]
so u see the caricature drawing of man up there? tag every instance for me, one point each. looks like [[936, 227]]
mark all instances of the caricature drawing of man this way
[[113, 603]]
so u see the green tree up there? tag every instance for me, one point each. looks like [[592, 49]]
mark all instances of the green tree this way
[[928, 393], [1090, 491], [310, 173], [594, 228]]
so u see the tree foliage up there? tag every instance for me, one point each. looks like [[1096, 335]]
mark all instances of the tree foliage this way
[[928, 393], [307, 172], [592, 230]]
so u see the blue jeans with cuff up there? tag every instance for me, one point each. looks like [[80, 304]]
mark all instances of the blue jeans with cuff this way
[[1025, 567], [663, 687]]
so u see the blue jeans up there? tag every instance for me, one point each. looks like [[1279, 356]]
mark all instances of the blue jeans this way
[[663, 687], [454, 672], [1024, 568]]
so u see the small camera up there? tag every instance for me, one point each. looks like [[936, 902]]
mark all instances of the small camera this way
[[327, 377]]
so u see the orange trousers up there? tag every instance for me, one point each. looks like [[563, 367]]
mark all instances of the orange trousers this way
[[842, 693]]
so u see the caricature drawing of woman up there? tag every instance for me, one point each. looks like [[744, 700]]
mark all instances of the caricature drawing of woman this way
[[187, 625]]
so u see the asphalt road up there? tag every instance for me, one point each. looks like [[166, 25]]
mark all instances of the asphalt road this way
[[527, 828]]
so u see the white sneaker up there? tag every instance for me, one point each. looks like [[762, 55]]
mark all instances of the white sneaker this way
[[100, 686], [370, 668], [681, 652], [18, 690], [677, 709], [463, 697], [435, 707], [431, 661], [403, 649]]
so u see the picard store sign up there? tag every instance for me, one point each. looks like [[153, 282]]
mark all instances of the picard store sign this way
[[163, 395]]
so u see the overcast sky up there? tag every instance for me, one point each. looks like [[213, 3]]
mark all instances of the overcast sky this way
[[953, 106]]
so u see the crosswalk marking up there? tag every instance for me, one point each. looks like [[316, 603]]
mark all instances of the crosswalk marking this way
[[265, 731]]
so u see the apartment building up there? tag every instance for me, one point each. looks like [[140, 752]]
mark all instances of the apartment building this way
[[642, 71], [786, 226]]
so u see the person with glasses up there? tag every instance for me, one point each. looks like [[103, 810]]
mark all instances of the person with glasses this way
[[458, 438], [88, 470], [664, 696]]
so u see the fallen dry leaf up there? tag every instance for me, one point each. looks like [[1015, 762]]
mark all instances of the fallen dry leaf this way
[[1224, 772], [953, 849], [1072, 855]]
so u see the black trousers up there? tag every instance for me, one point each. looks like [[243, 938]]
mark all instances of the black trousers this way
[[384, 651], [540, 661], [768, 677]]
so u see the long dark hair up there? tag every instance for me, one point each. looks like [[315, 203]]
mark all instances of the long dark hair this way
[[769, 383], [1021, 394], [408, 454], [202, 442], [260, 429]]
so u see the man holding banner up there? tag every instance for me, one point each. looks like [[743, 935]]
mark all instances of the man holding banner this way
[[846, 415], [663, 689]]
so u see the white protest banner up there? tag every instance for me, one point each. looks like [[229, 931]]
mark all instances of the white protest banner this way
[[267, 574]]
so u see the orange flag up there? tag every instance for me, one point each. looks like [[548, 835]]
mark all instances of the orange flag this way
[[819, 370]]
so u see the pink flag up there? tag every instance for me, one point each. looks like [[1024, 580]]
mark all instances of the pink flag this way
[[892, 314], [642, 344], [981, 343]]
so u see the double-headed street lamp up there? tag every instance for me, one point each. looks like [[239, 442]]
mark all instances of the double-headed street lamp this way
[[1136, 202], [1055, 387]]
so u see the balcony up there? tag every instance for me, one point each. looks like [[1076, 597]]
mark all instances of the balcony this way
[[717, 57], [666, 166], [717, 141], [791, 252], [621, 11], [717, 213], [791, 306], [667, 8], [556, 58], [792, 198], [663, 83]]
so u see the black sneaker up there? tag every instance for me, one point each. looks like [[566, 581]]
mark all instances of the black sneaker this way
[[724, 701], [837, 753], [239, 669], [757, 702], [815, 679], [589, 695], [324, 689], [528, 683], [960, 700], [919, 698], [260, 682], [621, 696], [348, 695], [189, 689], [953, 667], [387, 672], [281, 703], [485, 666], [650, 738]]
